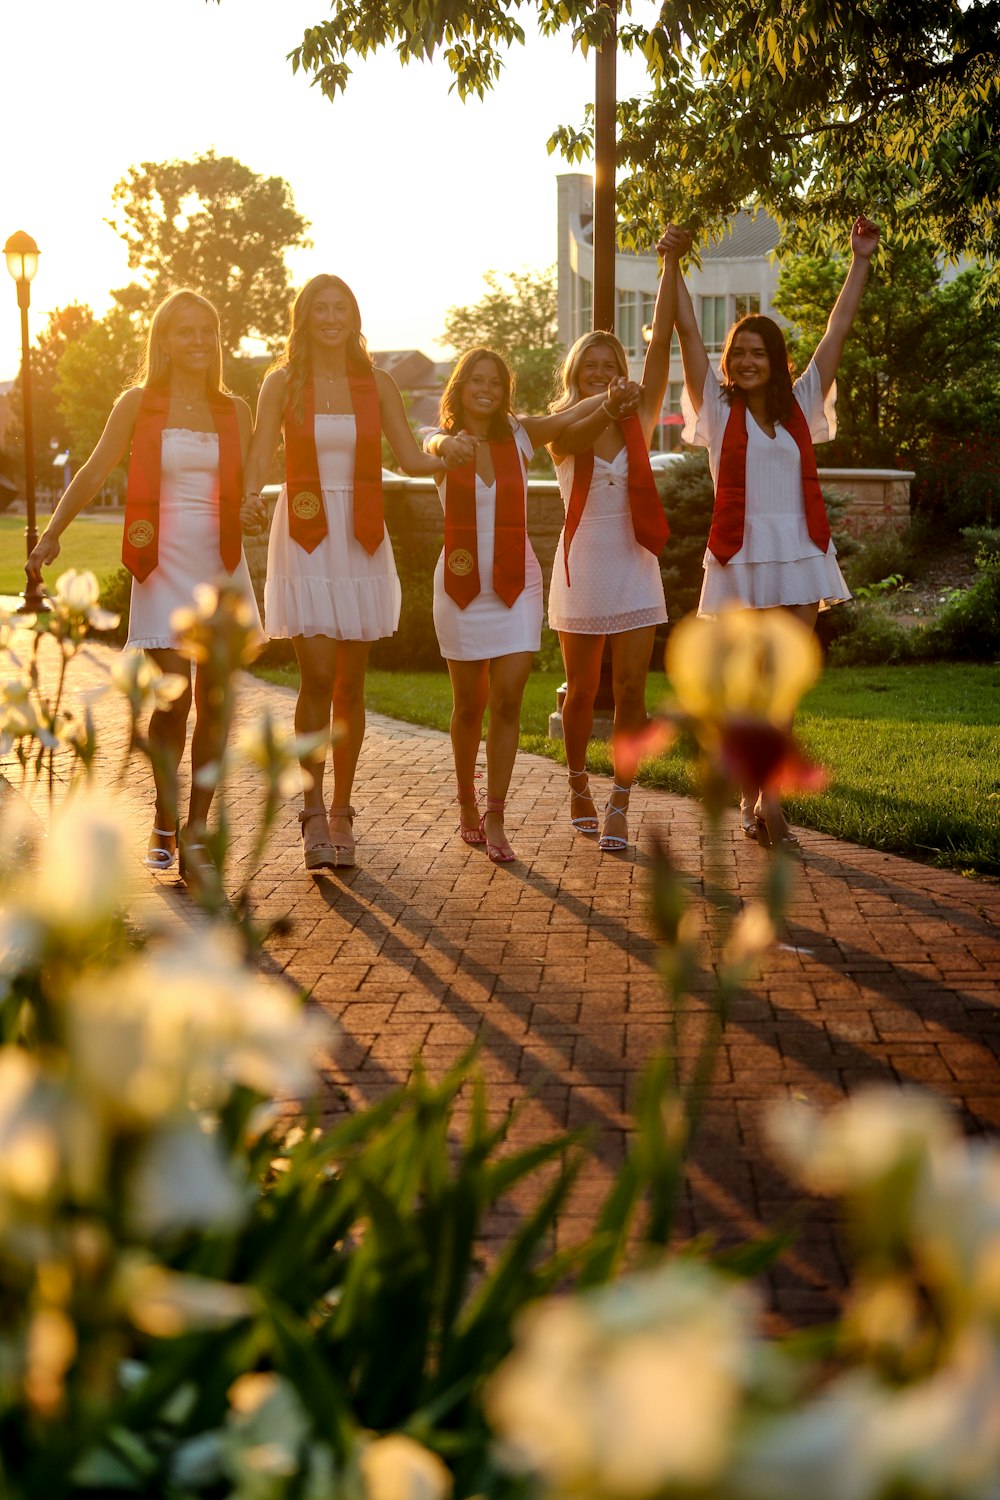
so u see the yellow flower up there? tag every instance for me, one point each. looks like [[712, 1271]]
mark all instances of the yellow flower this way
[[746, 664], [398, 1468]]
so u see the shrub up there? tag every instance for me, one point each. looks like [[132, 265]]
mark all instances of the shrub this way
[[968, 628], [958, 483], [863, 635], [116, 592], [414, 647], [688, 497]]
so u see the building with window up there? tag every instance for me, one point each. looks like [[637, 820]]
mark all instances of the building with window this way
[[737, 276]]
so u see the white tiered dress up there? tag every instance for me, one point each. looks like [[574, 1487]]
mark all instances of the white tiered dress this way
[[779, 563], [337, 590], [615, 583], [188, 548], [487, 627]]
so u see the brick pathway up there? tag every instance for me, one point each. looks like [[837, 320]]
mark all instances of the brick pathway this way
[[888, 973]]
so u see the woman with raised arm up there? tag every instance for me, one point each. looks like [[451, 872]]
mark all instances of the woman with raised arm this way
[[487, 583], [769, 546], [331, 582], [606, 574], [188, 438]]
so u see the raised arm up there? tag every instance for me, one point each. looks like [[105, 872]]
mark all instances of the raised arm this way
[[396, 426], [694, 355], [622, 400], [656, 368], [545, 429], [864, 242], [87, 480]]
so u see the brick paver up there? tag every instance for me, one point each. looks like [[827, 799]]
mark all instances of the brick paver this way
[[888, 972]]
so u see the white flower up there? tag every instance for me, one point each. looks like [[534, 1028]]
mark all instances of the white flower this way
[[167, 1304], [76, 599], [398, 1468], [750, 937], [861, 1141], [956, 1224], [21, 945], [182, 1180], [265, 1431], [143, 683], [627, 1390], [183, 1024], [81, 877]]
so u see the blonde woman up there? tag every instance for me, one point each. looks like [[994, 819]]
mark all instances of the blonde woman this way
[[188, 438], [332, 586], [488, 584], [606, 574]]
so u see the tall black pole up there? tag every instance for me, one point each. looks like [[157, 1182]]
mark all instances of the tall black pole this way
[[605, 103], [33, 601]]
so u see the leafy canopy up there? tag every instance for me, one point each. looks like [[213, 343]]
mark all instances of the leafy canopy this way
[[815, 109], [517, 316]]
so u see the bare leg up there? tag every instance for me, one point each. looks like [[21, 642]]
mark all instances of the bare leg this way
[[767, 804], [508, 675], [630, 653], [582, 660], [167, 734], [317, 657], [349, 716], [470, 685]]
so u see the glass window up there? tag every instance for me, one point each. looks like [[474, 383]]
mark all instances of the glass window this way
[[586, 306], [745, 303], [647, 306], [628, 322], [713, 322]]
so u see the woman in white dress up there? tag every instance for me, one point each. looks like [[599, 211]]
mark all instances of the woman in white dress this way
[[606, 574], [331, 582], [487, 583], [769, 546], [183, 514]]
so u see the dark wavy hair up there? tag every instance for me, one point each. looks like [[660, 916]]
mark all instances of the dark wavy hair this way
[[779, 386], [450, 415], [297, 356]]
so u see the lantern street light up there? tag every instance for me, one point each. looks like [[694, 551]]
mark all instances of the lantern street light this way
[[21, 254]]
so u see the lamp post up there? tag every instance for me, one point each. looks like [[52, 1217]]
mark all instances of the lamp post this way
[[21, 254], [605, 112]]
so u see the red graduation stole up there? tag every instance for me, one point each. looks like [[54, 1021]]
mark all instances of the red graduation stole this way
[[461, 546], [141, 539], [728, 516], [306, 512], [649, 524]]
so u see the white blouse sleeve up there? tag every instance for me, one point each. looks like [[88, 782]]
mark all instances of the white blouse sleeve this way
[[522, 440], [701, 428], [819, 413]]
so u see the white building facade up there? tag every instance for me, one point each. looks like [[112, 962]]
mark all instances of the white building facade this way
[[737, 276]]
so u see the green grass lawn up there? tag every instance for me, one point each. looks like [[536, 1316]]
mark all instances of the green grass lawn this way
[[913, 752], [89, 543]]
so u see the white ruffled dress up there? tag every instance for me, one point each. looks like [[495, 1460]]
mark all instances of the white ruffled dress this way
[[188, 544], [779, 563], [337, 590]]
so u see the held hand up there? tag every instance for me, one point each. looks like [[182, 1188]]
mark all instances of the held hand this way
[[623, 397], [864, 238], [457, 450], [46, 551], [253, 515], [674, 242]]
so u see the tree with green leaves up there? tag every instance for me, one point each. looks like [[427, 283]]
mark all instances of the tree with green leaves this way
[[517, 317], [922, 365], [814, 109], [92, 373], [216, 226], [64, 327]]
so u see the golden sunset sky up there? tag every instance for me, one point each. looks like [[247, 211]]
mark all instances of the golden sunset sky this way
[[411, 194]]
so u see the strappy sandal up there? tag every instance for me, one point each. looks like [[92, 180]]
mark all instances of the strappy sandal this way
[[194, 862], [787, 843], [343, 853], [321, 856], [500, 854], [587, 824], [614, 843], [161, 859], [468, 796], [748, 819]]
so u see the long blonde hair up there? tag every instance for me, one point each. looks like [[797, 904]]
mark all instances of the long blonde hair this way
[[569, 371], [155, 366], [297, 356]]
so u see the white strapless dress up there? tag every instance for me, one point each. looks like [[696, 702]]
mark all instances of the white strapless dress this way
[[189, 539]]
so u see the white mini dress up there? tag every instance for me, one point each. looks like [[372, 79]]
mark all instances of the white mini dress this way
[[779, 563], [337, 590], [615, 583], [188, 544], [487, 627]]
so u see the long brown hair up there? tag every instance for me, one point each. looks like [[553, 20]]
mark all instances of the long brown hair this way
[[297, 356], [778, 392], [569, 371], [154, 368], [450, 411]]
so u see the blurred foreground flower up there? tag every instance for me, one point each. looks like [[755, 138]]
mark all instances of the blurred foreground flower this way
[[219, 630], [626, 1390], [750, 665], [397, 1468], [144, 684], [276, 752], [75, 607]]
